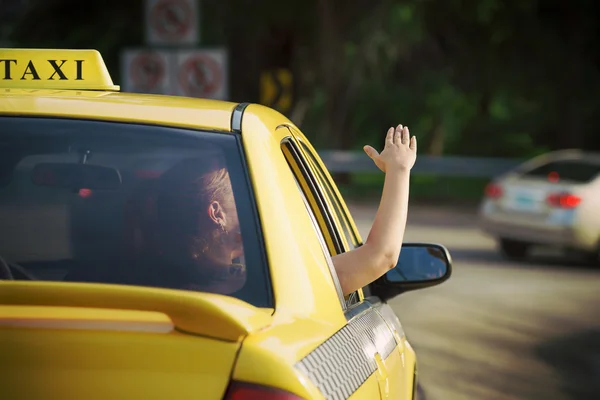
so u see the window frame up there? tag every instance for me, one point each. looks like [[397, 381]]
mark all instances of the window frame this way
[[323, 243], [341, 215], [309, 186]]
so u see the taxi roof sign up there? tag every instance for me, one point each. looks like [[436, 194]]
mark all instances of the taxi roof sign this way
[[54, 69]]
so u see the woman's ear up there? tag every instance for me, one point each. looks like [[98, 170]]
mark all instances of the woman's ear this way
[[216, 213]]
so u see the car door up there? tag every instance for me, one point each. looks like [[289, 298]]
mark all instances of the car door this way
[[366, 328], [399, 387]]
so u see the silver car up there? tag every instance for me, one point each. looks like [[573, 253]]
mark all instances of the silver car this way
[[552, 200]]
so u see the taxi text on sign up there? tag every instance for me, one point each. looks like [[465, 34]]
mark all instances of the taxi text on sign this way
[[171, 22], [54, 69], [276, 89], [147, 71]]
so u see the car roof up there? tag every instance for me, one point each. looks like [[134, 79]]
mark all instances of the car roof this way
[[118, 106]]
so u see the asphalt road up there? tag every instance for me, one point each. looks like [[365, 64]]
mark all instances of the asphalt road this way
[[497, 329]]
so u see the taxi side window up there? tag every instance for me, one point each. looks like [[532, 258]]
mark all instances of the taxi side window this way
[[308, 185], [336, 282], [341, 215], [317, 209]]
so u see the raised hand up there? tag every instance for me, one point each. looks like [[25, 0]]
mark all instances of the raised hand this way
[[399, 153]]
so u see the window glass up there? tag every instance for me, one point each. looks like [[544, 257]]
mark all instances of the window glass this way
[[87, 201], [336, 207], [297, 163], [568, 170], [333, 198]]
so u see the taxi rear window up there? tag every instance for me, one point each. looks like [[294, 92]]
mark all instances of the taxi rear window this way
[[580, 171], [129, 204]]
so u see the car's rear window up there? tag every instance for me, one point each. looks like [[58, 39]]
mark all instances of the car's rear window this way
[[105, 202], [580, 171]]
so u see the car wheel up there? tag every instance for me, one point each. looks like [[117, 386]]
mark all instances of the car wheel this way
[[513, 249]]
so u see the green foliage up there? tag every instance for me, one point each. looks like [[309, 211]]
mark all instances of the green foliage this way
[[107, 26], [472, 77]]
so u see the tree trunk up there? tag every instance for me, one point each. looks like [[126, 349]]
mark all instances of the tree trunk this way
[[332, 63], [436, 144]]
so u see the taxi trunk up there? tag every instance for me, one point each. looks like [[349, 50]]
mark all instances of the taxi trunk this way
[[533, 210], [92, 341]]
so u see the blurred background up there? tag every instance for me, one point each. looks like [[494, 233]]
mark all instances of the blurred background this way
[[484, 84]]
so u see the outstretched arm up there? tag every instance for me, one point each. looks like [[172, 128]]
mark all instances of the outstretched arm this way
[[380, 252]]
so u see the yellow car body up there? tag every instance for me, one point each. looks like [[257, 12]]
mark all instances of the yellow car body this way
[[102, 341]]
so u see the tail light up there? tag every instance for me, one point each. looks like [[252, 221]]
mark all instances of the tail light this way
[[247, 391], [85, 193], [563, 200], [493, 191], [553, 177]]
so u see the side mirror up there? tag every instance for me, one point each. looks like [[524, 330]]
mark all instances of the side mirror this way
[[419, 266]]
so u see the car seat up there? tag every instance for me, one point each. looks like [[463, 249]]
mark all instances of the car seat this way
[[138, 241]]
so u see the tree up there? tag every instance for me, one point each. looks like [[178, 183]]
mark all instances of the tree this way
[[472, 77]]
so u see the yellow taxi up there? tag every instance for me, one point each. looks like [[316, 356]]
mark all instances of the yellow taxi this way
[[90, 304]]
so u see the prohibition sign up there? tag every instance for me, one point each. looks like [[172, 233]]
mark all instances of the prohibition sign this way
[[200, 76], [172, 19], [147, 70]]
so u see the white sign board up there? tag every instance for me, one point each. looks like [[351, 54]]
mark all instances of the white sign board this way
[[172, 22], [147, 71], [202, 73]]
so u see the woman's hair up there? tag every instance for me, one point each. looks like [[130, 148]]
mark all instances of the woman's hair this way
[[185, 192]]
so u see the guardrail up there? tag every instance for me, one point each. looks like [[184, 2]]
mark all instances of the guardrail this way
[[476, 167]]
